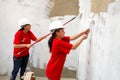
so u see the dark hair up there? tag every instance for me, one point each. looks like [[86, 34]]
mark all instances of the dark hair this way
[[22, 27], [50, 41]]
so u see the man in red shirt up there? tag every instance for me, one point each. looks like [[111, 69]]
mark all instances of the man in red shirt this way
[[59, 47], [22, 40]]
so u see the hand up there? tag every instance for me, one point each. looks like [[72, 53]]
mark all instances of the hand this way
[[28, 45], [87, 31], [85, 36], [44, 37]]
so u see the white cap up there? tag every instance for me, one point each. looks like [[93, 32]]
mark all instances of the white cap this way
[[23, 22], [55, 25]]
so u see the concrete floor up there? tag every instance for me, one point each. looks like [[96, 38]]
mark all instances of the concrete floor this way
[[37, 78], [66, 73], [40, 74]]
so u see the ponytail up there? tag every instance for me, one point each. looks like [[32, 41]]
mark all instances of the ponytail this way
[[21, 28], [50, 41]]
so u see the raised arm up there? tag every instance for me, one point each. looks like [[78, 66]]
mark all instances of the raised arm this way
[[41, 38], [79, 34], [76, 35], [75, 45]]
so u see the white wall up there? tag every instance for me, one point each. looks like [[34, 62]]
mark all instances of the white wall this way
[[10, 12], [96, 59], [114, 48], [36, 11], [99, 58]]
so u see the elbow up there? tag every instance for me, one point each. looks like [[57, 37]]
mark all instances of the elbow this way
[[73, 48], [15, 46]]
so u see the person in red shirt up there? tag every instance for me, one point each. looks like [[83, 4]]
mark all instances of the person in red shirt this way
[[59, 47], [22, 40]]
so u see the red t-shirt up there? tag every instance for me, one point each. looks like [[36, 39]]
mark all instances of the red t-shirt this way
[[22, 38], [60, 48]]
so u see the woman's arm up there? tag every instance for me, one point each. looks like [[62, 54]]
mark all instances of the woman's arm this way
[[39, 39], [21, 45], [79, 41], [80, 34], [76, 36]]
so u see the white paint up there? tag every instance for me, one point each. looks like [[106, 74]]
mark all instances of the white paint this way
[[114, 48], [36, 11], [103, 52], [10, 13]]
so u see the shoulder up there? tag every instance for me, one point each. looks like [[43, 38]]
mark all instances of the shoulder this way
[[66, 38], [30, 32], [19, 32], [58, 42]]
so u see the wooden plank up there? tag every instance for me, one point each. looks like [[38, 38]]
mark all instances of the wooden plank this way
[[28, 76]]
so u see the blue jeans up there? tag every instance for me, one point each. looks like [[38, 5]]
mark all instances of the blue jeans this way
[[19, 63]]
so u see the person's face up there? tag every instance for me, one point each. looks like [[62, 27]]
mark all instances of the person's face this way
[[27, 27], [61, 33]]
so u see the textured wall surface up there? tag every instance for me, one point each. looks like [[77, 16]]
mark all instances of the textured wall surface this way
[[37, 12], [10, 12], [97, 58]]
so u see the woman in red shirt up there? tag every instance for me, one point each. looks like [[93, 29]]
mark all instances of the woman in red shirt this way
[[22, 40], [59, 47]]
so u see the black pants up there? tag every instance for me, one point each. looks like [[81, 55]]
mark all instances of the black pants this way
[[19, 63]]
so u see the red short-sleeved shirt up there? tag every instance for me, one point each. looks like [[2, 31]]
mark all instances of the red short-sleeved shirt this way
[[22, 38], [60, 48]]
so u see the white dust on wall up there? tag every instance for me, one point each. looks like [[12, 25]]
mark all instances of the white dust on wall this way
[[36, 11], [10, 12], [99, 58]]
